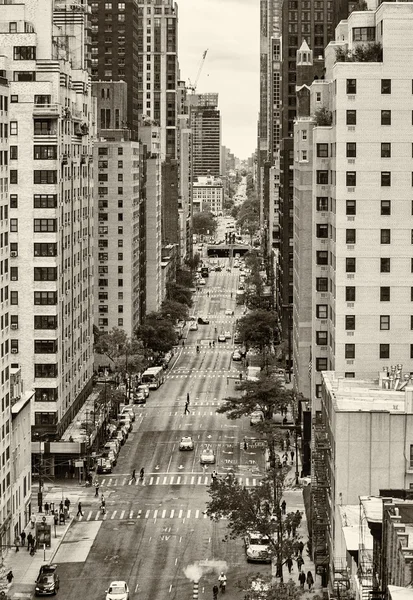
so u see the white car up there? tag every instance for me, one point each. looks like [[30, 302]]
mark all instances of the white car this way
[[207, 456], [202, 282], [236, 356], [143, 387], [193, 326], [227, 335], [118, 590], [256, 417], [186, 443], [229, 312], [257, 547], [222, 338], [128, 410]]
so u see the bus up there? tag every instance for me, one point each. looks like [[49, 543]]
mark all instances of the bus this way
[[153, 377]]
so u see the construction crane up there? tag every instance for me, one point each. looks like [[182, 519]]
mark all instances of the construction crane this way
[[192, 86]]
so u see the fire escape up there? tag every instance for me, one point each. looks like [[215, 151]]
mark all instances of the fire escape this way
[[319, 490]]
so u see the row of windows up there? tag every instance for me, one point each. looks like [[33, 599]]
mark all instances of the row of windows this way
[[350, 267], [351, 150], [323, 203], [350, 325], [322, 232], [385, 117], [350, 353], [385, 86], [39, 201], [103, 322], [322, 178]]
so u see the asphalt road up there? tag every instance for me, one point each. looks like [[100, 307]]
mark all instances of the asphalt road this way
[[154, 530]]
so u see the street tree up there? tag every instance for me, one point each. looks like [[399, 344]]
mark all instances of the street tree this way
[[261, 587], [204, 223], [258, 330], [255, 509], [185, 278], [174, 311], [156, 333], [113, 343], [193, 262], [179, 293]]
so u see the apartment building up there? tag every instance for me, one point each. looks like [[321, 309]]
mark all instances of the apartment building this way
[[184, 158], [208, 195], [205, 121], [51, 116], [118, 211]]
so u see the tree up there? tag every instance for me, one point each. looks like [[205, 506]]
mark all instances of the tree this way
[[179, 293], [323, 117], [185, 277], [156, 333], [257, 330], [193, 262], [204, 223], [113, 343], [174, 311], [260, 587]]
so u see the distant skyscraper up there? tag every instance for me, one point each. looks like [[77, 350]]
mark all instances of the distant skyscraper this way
[[205, 120]]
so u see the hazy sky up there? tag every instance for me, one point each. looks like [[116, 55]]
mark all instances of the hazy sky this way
[[230, 31]]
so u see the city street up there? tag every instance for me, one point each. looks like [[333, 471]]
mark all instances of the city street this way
[[153, 530]]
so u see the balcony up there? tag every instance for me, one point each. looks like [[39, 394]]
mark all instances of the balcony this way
[[46, 110]]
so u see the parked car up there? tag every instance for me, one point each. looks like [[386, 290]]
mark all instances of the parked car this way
[[47, 582], [112, 445], [256, 417], [203, 321], [222, 338], [202, 281], [121, 437], [227, 335], [104, 465], [118, 590], [193, 326], [186, 443], [143, 387], [229, 312], [125, 424], [139, 398], [109, 455], [207, 456], [236, 355], [128, 410], [257, 547]]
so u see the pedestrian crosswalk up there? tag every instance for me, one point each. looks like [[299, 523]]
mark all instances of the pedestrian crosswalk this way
[[143, 513], [169, 479], [197, 375]]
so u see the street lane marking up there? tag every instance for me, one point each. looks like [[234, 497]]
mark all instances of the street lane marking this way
[[180, 514], [188, 514], [122, 514], [171, 516], [114, 514], [147, 514], [196, 514], [155, 513], [131, 514], [163, 513]]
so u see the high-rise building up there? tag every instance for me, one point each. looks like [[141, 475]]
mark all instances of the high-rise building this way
[[184, 158], [205, 120], [208, 195], [118, 211], [51, 116]]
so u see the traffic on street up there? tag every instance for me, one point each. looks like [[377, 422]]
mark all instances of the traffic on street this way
[[153, 540]]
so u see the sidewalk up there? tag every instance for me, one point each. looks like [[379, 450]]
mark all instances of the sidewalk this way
[[25, 567]]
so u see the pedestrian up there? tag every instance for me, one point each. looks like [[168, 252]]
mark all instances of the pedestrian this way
[[289, 562], [46, 508], [79, 510], [23, 538], [210, 345], [33, 544], [97, 485], [310, 580], [67, 504], [32, 521], [301, 579], [301, 548], [183, 343], [186, 411], [187, 398], [245, 445], [214, 475], [292, 456], [215, 591], [213, 343], [29, 540], [17, 542], [142, 474], [133, 478], [300, 562], [296, 548], [288, 528], [9, 576], [61, 509], [283, 507]]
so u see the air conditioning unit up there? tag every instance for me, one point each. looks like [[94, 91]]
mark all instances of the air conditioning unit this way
[[14, 326], [14, 351], [13, 278], [13, 253]]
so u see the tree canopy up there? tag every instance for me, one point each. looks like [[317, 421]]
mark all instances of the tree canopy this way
[[257, 329], [174, 311], [157, 333], [179, 293], [203, 223]]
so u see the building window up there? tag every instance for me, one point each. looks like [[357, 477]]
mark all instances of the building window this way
[[385, 265], [45, 177], [349, 375], [386, 150], [45, 152], [351, 178], [385, 293], [322, 257], [14, 225], [14, 155], [350, 236], [45, 225], [45, 371], [350, 351], [350, 293], [14, 298], [322, 203], [45, 273], [321, 364], [386, 86], [384, 322], [13, 200], [351, 149], [45, 249], [384, 351], [24, 76], [13, 128], [24, 53], [364, 34], [321, 338], [351, 117], [321, 311], [384, 236], [45, 322], [45, 346], [385, 207], [322, 150], [13, 176], [350, 322], [45, 201], [318, 388], [322, 230], [322, 284], [351, 86], [385, 179], [45, 298], [350, 207], [386, 117], [350, 265]]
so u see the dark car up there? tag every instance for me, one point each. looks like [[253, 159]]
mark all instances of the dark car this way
[[47, 582], [203, 321]]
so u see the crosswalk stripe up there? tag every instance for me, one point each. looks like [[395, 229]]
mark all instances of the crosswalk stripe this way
[[196, 514], [131, 514], [164, 480], [139, 513], [155, 513], [122, 514], [147, 514], [89, 516], [178, 481], [163, 513], [192, 480], [180, 514], [97, 516], [151, 481], [188, 514], [171, 516], [114, 514]]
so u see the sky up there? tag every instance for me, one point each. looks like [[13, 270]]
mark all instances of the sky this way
[[229, 29]]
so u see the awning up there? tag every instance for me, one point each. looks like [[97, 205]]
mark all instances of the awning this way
[[400, 593], [352, 538]]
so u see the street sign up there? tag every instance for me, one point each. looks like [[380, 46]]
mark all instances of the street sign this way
[[78, 463], [257, 443]]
